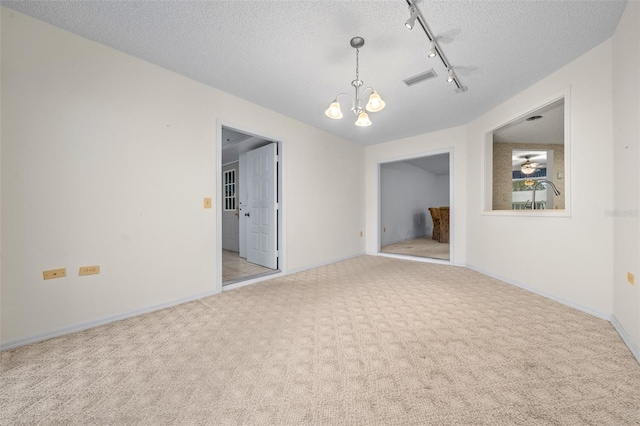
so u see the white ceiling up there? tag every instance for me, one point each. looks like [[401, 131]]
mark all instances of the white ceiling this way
[[548, 129], [235, 143], [437, 164], [293, 57]]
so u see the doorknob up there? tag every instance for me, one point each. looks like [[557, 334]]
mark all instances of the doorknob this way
[[247, 215]]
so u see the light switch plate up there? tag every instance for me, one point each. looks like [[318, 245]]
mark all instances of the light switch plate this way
[[207, 202], [631, 278]]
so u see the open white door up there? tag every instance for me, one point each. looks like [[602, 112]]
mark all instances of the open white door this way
[[261, 179], [243, 204]]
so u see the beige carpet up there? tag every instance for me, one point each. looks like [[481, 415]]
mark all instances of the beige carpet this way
[[420, 247], [368, 341]]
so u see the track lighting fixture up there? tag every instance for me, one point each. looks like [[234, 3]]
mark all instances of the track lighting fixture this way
[[450, 76], [434, 49], [412, 19], [375, 103]]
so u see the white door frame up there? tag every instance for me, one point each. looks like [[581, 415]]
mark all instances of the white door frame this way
[[242, 192], [282, 260], [452, 211]]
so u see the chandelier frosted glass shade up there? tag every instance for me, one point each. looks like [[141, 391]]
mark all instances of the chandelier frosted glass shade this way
[[375, 103], [363, 120], [334, 110]]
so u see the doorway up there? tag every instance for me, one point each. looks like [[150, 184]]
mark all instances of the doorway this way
[[415, 207], [250, 207]]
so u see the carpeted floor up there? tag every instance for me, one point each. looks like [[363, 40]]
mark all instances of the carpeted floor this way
[[419, 247], [367, 341]]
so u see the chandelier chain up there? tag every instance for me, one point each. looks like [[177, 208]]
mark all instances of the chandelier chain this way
[[357, 64]]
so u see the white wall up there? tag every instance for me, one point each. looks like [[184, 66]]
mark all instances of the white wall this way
[[442, 196], [105, 161], [574, 253], [1, 250], [626, 141], [406, 193], [420, 146]]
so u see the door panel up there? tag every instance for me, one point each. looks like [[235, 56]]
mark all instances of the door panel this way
[[230, 237], [262, 201]]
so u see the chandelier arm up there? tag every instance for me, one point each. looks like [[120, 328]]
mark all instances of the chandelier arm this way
[[346, 94], [367, 88]]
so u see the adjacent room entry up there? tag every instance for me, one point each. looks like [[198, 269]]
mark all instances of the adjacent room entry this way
[[415, 198], [250, 208]]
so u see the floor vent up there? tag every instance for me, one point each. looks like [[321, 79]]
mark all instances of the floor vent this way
[[420, 77]]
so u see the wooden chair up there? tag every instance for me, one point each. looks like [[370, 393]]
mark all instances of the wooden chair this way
[[435, 217], [444, 224]]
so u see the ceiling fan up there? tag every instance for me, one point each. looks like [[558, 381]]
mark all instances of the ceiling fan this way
[[529, 167]]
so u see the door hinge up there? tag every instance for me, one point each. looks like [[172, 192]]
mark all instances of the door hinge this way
[[277, 253], [277, 206]]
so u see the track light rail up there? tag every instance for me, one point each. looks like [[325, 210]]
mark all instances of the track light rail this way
[[417, 16]]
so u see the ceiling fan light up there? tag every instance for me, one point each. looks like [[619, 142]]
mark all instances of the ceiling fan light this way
[[375, 103], [528, 167], [334, 111], [363, 120]]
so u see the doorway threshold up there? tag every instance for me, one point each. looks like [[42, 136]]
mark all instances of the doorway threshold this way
[[250, 279], [415, 258]]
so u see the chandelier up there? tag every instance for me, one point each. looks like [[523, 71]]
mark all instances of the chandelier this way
[[375, 103]]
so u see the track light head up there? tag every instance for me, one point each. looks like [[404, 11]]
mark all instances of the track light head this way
[[450, 76], [432, 50], [412, 19]]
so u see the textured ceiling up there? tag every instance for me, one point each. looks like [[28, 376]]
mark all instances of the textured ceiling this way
[[294, 57]]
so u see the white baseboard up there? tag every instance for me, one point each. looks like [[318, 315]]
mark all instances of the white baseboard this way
[[590, 311], [39, 337], [625, 337], [328, 262]]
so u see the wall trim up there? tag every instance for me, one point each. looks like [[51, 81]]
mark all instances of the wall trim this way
[[74, 328], [594, 312], [625, 337]]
